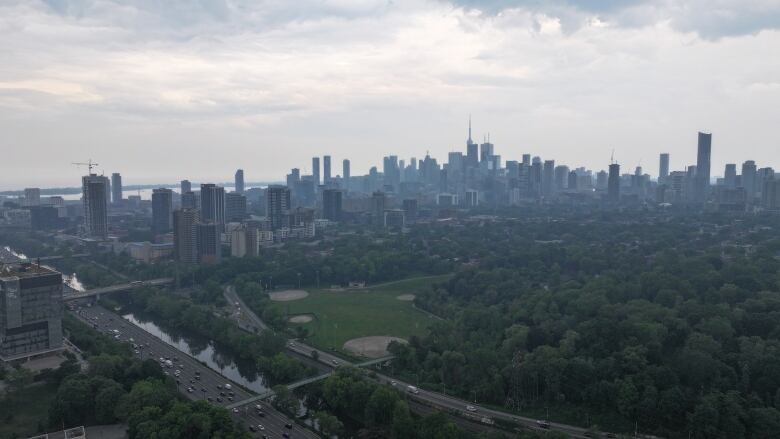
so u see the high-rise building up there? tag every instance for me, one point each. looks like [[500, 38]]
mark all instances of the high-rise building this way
[[239, 181], [331, 204], [209, 243], [30, 310], [93, 191], [703, 157], [391, 172], [185, 238], [572, 183], [485, 151], [212, 203], [749, 180], [410, 209], [116, 188], [326, 169], [378, 209], [278, 206], [663, 167], [189, 200], [345, 173], [32, 196], [186, 186], [561, 177], [613, 183], [235, 207], [548, 178], [315, 171], [162, 211], [730, 175]]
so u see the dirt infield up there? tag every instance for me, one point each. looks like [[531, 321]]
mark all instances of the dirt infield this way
[[371, 347], [406, 297], [302, 318], [288, 295]]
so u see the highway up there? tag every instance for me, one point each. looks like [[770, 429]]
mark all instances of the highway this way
[[207, 384]]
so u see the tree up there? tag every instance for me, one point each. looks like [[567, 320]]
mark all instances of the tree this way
[[329, 424]]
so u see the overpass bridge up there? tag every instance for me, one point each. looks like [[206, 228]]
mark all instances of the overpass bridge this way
[[96, 292]]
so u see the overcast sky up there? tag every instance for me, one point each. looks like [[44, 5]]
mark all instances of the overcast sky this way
[[166, 90]]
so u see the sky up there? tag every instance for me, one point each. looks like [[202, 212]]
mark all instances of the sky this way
[[162, 91]]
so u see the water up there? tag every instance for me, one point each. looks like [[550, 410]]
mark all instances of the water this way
[[215, 357], [146, 194]]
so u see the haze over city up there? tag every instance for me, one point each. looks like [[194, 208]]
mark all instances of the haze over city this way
[[159, 90]]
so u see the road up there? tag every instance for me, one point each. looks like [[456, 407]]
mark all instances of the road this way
[[246, 319], [210, 383]]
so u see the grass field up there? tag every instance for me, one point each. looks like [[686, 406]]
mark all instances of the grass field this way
[[343, 315]]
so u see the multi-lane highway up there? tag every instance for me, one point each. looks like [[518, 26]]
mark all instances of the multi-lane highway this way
[[195, 380]]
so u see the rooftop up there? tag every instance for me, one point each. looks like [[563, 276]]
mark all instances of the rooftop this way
[[24, 270]]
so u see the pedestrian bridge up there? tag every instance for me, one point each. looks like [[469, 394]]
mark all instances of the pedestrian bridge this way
[[116, 288]]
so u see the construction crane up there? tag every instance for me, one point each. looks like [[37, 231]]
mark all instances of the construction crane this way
[[89, 164]]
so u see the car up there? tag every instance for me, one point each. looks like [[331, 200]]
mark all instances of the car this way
[[288, 426], [285, 435], [252, 428], [260, 427], [258, 406], [335, 363], [235, 410], [292, 344], [210, 399], [222, 394], [471, 408], [203, 389], [219, 386], [230, 398], [260, 414], [542, 424], [219, 399], [197, 377], [190, 389], [393, 383]]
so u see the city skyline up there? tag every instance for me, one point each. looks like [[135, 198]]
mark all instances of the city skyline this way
[[362, 81]]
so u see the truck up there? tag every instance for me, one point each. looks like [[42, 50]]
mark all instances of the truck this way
[[412, 389]]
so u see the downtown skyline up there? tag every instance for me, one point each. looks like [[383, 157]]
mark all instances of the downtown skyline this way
[[266, 88]]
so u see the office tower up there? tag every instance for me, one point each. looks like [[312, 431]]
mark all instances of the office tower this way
[[535, 182], [292, 182], [749, 180], [278, 206], [378, 209], [209, 243], [30, 310], [326, 169], [391, 172], [235, 207], [189, 200], [663, 167], [485, 151], [239, 181], [116, 188], [186, 186], [331, 204], [345, 173], [93, 192], [410, 209], [561, 177], [108, 190], [730, 175], [613, 183], [212, 203], [703, 166], [315, 171], [548, 178], [572, 183], [770, 195], [526, 159], [601, 180], [472, 155], [162, 211], [185, 238], [238, 242], [32, 196]]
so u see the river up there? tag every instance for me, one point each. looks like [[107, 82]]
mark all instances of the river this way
[[214, 356]]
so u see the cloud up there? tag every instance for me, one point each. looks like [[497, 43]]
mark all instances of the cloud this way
[[710, 19]]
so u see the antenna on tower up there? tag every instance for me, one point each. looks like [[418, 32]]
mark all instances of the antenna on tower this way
[[612, 157]]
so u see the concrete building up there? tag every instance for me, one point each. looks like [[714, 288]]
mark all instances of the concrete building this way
[[613, 183], [116, 188], [331, 204], [345, 173], [235, 207], [212, 204], [663, 167], [326, 170], [186, 186], [703, 167], [94, 192], [32, 196], [185, 238], [315, 171], [239, 181], [278, 206], [209, 243], [30, 310], [162, 211]]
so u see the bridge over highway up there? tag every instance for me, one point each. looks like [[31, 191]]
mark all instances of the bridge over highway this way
[[96, 292]]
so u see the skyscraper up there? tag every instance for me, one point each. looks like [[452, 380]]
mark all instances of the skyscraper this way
[[185, 238], [209, 243], [345, 173], [613, 183], [703, 167], [548, 178], [30, 310], [162, 211], [331, 204], [186, 186], [93, 192], [663, 167], [326, 169], [116, 188], [189, 200], [32, 196], [235, 207], [730, 175], [378, 209], [212, 203], [315, 171], [239, 181], [749, 180], [278, 206]]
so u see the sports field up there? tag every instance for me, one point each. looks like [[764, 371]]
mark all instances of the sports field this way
[[340, 316]]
